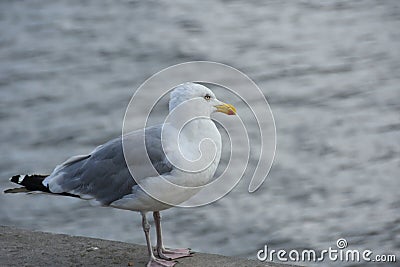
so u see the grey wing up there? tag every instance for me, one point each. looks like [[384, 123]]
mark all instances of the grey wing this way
[[103, 175]]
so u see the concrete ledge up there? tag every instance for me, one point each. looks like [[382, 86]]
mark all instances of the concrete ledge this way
[[28, 248]]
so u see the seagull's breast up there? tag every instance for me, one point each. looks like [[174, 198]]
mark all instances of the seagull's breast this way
[[194, 153]]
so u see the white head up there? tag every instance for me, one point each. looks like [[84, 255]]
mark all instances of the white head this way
[[204, 99]]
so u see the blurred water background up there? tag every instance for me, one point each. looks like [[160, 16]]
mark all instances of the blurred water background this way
[[329, 69]]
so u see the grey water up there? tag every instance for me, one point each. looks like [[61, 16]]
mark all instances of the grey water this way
[[329, 69]]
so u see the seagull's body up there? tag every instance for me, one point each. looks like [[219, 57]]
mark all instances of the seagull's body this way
[[104, 175]]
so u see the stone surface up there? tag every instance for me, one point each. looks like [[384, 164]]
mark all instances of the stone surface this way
[[29, 248]]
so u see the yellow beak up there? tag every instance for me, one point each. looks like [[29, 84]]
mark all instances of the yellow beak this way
[[226, 108]]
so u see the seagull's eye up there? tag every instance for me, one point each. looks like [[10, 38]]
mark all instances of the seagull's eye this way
[[207, 97]]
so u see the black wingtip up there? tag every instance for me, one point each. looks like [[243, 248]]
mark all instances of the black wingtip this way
[[31, 182]]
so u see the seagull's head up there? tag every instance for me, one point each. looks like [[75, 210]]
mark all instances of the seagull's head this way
[[199, 97]]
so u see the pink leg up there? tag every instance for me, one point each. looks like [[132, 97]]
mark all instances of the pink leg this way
[[163, 253], [153, 261]]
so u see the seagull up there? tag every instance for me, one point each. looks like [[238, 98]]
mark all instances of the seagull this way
[[107, 177]]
